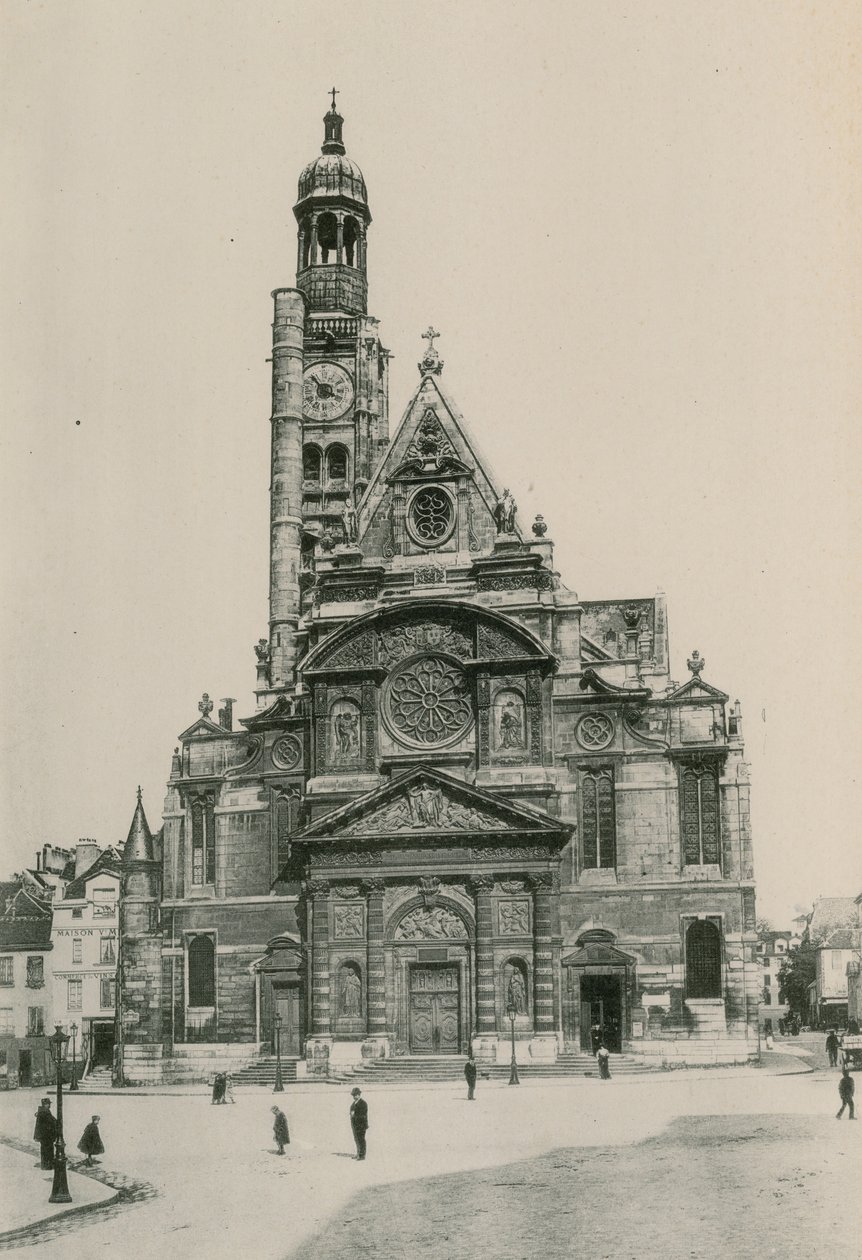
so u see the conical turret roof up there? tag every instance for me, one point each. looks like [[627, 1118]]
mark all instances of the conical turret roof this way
[[139, 845]]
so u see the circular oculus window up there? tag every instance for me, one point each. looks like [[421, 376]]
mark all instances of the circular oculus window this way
[[426, 702], [430, 516], [595, 731]]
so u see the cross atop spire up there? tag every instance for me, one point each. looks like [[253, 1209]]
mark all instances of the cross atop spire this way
[[335, 93], [431, 361]]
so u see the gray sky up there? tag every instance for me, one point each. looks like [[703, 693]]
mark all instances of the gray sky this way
[[636, 227]]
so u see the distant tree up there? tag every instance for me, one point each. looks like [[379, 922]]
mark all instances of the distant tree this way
[[795, 974], [763, 926]]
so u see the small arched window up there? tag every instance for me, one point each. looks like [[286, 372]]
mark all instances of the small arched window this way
[[336, 463], [202, 971], [351, 232], [311, 463], [327, 237], [703, 960]]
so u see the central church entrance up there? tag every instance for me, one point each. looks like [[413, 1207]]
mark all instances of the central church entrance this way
[[435, 1002], [601, 1012]]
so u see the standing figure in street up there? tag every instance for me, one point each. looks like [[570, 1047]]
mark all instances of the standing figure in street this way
[[846, 1090], [470, 1075], [604, 1060], [45, 1132], [595, 1037], [280, 1130], [359, 1121], [832, 1048], [219, 1083], [91, 1141], [228, 1089]]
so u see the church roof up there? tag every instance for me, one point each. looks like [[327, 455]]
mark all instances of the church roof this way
[[139, 845], [333, 174]]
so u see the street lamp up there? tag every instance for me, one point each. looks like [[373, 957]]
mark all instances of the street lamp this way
[[60, 1189], [279, 1083], [74, 1086], [512, 1011]]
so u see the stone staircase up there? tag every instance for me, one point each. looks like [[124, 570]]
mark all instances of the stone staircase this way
[[451, 1068], [262, 1072], [98, 1080]]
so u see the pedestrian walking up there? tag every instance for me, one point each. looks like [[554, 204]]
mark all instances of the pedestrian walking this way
[[595, 1037], [359, 1121], [219, 1087], [470, 1076], [91, 1141], [45, 1133], [832, 1048], [280, 1130], [846, 1090], [228, 1089], [603, 1056]]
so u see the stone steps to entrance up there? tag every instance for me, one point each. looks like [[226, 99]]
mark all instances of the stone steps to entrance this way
[[262, 1072], [451, 1068]]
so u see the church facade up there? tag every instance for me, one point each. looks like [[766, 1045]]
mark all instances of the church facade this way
[[468, 800]]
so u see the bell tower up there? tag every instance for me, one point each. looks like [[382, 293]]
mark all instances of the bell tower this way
[[345, 368]]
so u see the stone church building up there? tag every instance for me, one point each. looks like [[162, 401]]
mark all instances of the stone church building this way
[[468, 799]]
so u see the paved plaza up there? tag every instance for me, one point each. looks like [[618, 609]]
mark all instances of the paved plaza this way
[[701, 1164]]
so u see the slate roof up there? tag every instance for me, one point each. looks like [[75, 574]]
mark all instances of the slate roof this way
[[829, 914], [108, 860], [25, 922]]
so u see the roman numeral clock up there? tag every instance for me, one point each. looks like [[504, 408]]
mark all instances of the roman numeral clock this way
[[327, 391]]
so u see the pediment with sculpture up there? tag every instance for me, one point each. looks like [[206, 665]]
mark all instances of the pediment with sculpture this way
[[428, 802]]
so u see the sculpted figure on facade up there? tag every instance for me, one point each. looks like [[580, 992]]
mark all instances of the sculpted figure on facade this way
[[351, 993], [517, 992], [504, 513], [435, 924], [511, 727], [426, 805]]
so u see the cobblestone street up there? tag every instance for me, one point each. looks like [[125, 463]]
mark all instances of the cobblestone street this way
[[689, 1165]]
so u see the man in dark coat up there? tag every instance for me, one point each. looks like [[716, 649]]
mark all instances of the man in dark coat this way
[[280, 1130], [359, 1121], [832, 1048], [846, 1090], [470, 1074], [45, 1132], [91, 1141]]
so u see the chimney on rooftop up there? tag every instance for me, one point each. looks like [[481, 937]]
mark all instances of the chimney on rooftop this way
[[86, 853]]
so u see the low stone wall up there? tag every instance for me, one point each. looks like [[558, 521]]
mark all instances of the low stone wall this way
[[189, 1064], [694, 1052]]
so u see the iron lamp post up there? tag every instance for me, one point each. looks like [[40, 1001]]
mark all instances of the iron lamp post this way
[[59, 1044], [279, 1083], [74, 1085], [512, 1011]]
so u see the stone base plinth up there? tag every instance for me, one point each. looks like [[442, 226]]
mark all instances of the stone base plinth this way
[[376, 1048], [317, 1055], [485, 1048], [543, 1048]]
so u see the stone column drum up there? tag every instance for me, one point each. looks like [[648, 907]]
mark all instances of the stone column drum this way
[[376, 1044], [319, 1044], [485, 1041], [544, 1044]]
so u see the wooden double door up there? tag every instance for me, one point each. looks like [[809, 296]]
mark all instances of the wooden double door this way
[[435, 1010]]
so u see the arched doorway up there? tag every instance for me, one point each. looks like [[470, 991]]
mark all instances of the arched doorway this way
[[280, 984], [429, 943], [597, 1001]]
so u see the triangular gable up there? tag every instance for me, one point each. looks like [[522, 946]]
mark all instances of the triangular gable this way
[[425, 802], [598, 954], [433, 427], [201, 729], [696, 689]]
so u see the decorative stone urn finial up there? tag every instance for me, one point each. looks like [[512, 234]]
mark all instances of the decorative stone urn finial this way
[[696, 663], [205, 705], [539, 527]]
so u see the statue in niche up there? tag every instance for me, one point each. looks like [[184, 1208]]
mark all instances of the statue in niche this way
[[517, 992], [504, 513], [426, 805], [351, 993], [345, 726], [350, 523], [511, 727]]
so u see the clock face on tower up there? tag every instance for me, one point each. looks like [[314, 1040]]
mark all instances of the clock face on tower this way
[[327, 391]]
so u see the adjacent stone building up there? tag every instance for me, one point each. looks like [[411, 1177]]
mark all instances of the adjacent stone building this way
[[25, 986], [467, 796]]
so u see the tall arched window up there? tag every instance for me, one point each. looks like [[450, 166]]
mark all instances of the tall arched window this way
[[599, 820], [703, 960], [311, 463], [336, 463], [202, 971], [351, 231], [327, 237], [701, 836], [203, 840]]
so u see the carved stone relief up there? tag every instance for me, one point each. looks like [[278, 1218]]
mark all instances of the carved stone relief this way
[[437, 923], [405, 639], [349, 921], [422, 808], [514, 918]]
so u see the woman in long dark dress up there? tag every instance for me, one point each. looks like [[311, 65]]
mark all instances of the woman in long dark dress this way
[[45, 1132], [91, 1141]]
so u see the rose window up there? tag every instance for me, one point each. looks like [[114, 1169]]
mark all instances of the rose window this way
[[596, 730], [427, 702], [431, 517]]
